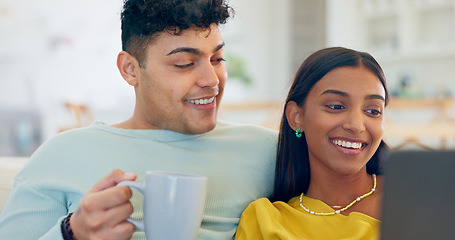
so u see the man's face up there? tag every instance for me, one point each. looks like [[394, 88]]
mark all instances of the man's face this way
[[182, 81]]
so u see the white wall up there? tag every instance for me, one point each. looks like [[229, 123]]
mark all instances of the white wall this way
[[53, 51], [343, 26], [259, 33]]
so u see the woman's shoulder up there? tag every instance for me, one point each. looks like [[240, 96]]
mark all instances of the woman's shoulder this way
[[260, 202], [264, 205]]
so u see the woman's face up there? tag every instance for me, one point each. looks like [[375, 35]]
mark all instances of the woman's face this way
[[342, 118]]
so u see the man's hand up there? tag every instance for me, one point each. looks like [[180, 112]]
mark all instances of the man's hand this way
[[102, 212]]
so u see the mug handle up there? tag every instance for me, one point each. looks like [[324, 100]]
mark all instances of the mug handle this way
[[141, 187]]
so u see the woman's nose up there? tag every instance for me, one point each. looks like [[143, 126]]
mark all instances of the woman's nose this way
[[354, 122]]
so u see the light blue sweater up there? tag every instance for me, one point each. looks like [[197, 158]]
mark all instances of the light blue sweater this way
[[238, 160]]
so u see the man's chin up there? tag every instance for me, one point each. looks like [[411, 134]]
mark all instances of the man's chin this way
[[203, 129]]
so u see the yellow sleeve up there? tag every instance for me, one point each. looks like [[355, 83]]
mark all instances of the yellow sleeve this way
[[248, 228]]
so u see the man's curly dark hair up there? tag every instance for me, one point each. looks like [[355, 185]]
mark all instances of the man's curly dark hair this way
[[142, 19]]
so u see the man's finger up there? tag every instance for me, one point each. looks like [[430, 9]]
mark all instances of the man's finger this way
[[112, 179], [106, 199]]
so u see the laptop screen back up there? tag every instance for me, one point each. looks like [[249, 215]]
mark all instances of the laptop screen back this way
[[419, 195]]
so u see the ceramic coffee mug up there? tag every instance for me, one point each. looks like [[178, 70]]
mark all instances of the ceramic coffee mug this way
[[173, 204]]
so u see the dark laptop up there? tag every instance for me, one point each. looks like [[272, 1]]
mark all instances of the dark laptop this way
[[419, 195]]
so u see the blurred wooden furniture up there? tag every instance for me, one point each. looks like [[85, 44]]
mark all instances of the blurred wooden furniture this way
[[81, 114], [416, 120]]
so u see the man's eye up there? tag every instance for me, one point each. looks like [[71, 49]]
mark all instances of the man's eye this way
[[335, 107], [218, 60], [185, 65]]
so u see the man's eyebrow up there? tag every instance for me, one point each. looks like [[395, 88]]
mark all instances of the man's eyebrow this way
[[194, 51], [344, 94], [218, 47]]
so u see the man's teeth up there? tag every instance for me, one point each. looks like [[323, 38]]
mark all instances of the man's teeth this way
[[201, 101], [346, 144]]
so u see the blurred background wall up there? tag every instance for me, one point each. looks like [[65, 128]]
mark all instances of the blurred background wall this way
[[58, 58]]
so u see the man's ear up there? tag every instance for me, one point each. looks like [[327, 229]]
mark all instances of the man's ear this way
[[294, 115], [129, 68]]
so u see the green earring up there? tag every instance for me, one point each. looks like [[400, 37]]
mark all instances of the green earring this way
[[298, 134]]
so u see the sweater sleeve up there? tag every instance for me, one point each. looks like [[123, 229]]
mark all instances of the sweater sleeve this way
[[31, 214]]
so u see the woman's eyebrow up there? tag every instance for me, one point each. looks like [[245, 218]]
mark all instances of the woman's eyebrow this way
[[331, 91], [344, 94], [374, 96]]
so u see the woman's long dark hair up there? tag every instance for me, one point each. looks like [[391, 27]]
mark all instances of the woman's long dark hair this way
[[292, 172]]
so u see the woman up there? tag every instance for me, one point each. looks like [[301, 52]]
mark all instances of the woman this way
[[327, 183]]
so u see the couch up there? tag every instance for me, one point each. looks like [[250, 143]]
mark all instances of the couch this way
[[9, 166]]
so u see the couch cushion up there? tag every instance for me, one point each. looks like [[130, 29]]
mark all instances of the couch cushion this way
[[9, 166]]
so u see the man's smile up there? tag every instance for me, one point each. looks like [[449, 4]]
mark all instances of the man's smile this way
[[202, 101]]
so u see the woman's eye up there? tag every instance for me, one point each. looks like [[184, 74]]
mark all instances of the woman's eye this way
[[374, 112], [335, 107]]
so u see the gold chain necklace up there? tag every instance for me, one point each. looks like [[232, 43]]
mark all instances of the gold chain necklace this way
[[347, 206]]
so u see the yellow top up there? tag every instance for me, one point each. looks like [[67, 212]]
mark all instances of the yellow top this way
[[265, 220]]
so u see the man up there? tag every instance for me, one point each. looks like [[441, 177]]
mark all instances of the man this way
[[173, 57]]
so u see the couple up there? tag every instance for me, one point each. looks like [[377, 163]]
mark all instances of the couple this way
[[173, 57]]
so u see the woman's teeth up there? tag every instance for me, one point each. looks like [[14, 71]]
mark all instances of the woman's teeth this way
[[201, 101], [346, 144]]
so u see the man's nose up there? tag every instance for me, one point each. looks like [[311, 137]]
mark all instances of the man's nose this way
[[208, 76]]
